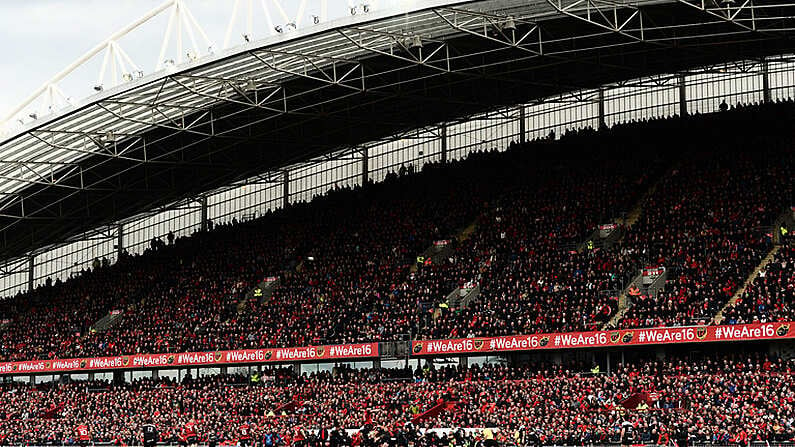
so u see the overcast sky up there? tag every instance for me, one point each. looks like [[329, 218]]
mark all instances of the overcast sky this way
[[42, 37]]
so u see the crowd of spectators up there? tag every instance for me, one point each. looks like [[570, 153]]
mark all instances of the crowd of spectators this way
[[349, 285], [707, 224], [715, 399], [184, 295], [532, 276], [347, 261]]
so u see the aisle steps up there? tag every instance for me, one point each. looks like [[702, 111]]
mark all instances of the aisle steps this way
[[739, 293], [108, 321]]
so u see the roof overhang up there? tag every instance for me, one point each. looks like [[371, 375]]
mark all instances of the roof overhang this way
[[259, 107]]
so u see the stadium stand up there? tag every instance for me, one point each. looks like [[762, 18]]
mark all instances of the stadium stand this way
[[714, 399], [346, 259]]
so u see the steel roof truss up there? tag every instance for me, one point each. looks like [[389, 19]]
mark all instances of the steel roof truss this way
[[479, 24]]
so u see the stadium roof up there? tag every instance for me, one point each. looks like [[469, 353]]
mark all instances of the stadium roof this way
[[258, 107]]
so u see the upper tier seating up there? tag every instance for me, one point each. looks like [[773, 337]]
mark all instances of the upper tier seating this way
[[345, 260]]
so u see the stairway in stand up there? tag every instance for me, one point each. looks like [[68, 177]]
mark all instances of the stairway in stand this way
[[719, 316], [628, 221], [622, 309]]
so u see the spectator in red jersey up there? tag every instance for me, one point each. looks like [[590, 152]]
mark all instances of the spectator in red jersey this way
[[83, 435], [244, 435], [189, 434], [299, 438]]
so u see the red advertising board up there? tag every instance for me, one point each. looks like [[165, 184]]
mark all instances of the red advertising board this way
[[595, 339], [653, 271], [600, 339], [188, 359]]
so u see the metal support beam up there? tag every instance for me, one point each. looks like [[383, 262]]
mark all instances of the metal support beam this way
[[286, 189], [120, 240], [365, 165], [601, 99], [443, 141], [203, 203], [412, 49], [31, 266], [682, 95], [508, 31], [622, 19], [348, 73], [743, 16], [765, 81], [522, 127]]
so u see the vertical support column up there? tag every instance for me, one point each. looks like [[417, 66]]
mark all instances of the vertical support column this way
[[155, 374], [119, 240], [443, 141], [765, 82], [203, 204], [286, 189], [463, 361], [31, 265], [522, 126], [608, 362], [682, 95], [602, 123], [365, 166]]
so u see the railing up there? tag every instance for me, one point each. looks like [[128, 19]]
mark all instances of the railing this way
[[657, 284], [107, 321], [470, 295]]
